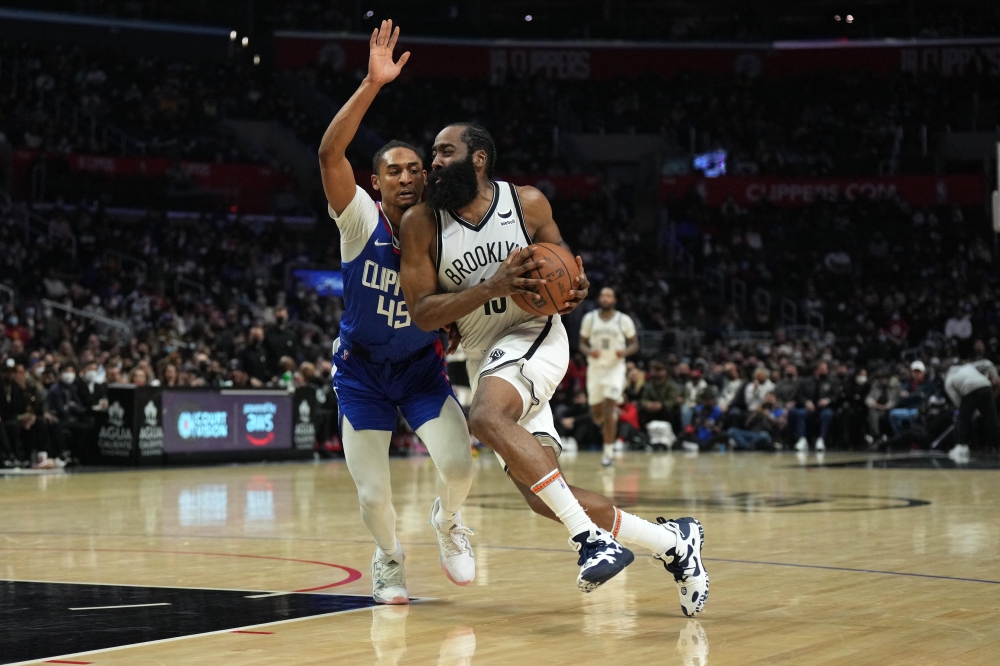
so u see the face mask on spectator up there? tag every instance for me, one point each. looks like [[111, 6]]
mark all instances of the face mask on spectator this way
[[39, 369], [90, 376], [68, 377], [861, 379]]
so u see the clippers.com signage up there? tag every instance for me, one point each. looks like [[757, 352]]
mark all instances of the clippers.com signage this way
[[203, 422]]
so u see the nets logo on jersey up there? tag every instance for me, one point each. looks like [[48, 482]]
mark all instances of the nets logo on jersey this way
[[496, 355]]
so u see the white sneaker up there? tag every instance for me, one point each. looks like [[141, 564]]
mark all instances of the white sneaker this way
[[620, 446], [607, 461], [388, 579], [960, 453], [457, 558], [802, 444], [690, 447], [820, 445], [685, 563]]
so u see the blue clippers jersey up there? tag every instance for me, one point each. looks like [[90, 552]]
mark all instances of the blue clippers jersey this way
[[375, 314]]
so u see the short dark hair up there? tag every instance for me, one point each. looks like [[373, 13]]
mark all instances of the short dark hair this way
[[476, 138], [380, 153]]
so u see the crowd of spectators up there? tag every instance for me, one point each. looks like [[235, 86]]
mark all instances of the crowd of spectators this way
[[64, 99], [819, 125], [825, 124], [209, 301], [797, 395]]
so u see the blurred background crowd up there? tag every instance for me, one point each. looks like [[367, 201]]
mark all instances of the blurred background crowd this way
[[834, 319]]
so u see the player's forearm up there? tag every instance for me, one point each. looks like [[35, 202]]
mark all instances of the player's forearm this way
[[632, 348], [438, 310], [345, 124], [585, 346]]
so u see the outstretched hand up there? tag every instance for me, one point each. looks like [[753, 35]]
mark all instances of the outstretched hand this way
[[381, 68]]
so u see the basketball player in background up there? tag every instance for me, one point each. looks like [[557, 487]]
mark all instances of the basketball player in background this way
[[381, 360], [464, 252], [607, 336]]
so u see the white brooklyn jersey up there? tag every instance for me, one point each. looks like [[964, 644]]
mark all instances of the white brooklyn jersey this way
[[469, 253], [607, 336]]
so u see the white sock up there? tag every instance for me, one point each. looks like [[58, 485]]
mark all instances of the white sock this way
[[443, 517], [609, 449], [552, 490], [387, 555], [636, 531]]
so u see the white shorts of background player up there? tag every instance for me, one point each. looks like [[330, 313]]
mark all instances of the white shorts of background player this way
[[604, 383]]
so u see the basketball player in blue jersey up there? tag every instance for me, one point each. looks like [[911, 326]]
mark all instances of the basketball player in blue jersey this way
[[382, 361], [464, 253]]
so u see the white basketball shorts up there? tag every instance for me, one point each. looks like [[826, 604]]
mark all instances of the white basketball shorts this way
[[533, 358], [604, 383]]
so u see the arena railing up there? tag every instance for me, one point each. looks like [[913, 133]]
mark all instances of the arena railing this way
[[11, 294], [124, 258], [76, 312]]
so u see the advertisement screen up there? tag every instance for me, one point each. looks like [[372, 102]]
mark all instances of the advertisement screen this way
[[203, 421]]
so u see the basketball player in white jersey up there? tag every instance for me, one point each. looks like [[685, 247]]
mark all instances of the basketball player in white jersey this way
[[607, 336], [382, 362], [463, 253]]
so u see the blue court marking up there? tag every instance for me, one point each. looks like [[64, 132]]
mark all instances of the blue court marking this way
[[430, 544]]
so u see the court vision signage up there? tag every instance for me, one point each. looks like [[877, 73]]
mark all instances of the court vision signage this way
[[217, 421]]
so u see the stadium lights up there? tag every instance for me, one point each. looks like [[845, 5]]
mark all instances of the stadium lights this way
[[369, 14], [850, 19], [232, 36], [245, 42], [256, 59], [528, 18], [836, 18]]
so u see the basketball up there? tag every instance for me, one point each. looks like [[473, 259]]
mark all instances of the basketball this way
[[559, 272]]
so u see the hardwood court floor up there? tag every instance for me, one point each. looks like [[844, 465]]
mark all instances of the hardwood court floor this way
[[808, 565]]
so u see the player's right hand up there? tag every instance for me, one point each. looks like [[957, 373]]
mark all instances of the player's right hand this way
[[381, 68], [507, 280]]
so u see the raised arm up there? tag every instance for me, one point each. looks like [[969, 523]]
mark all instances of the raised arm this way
[[538, 216], [338, 176], [430, 310]]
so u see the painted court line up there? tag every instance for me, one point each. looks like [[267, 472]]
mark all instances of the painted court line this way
[[260, 633], [491, 547], [269, 594], [63, 658], [126, 606]]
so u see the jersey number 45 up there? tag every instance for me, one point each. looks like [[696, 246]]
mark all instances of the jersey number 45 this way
[[396, 314]]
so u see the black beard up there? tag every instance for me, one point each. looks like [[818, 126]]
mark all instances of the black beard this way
[[454, 186]]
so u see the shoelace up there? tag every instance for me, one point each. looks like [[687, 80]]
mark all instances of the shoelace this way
[[458, 544], [390, 573], [605, 550]]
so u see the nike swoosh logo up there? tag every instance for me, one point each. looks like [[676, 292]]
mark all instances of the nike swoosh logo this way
[[378, 244], [506, 215]]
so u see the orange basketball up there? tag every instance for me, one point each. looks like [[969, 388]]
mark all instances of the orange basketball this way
[[559, 272]]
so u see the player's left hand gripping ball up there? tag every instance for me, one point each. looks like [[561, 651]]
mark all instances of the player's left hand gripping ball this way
[[579, 294]]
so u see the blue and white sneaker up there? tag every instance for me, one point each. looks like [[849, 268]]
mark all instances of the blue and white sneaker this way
[[685, 563], [601, 558]]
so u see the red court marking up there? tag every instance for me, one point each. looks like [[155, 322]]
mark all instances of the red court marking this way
[[352, 574], [263, 633], [64, 661]]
